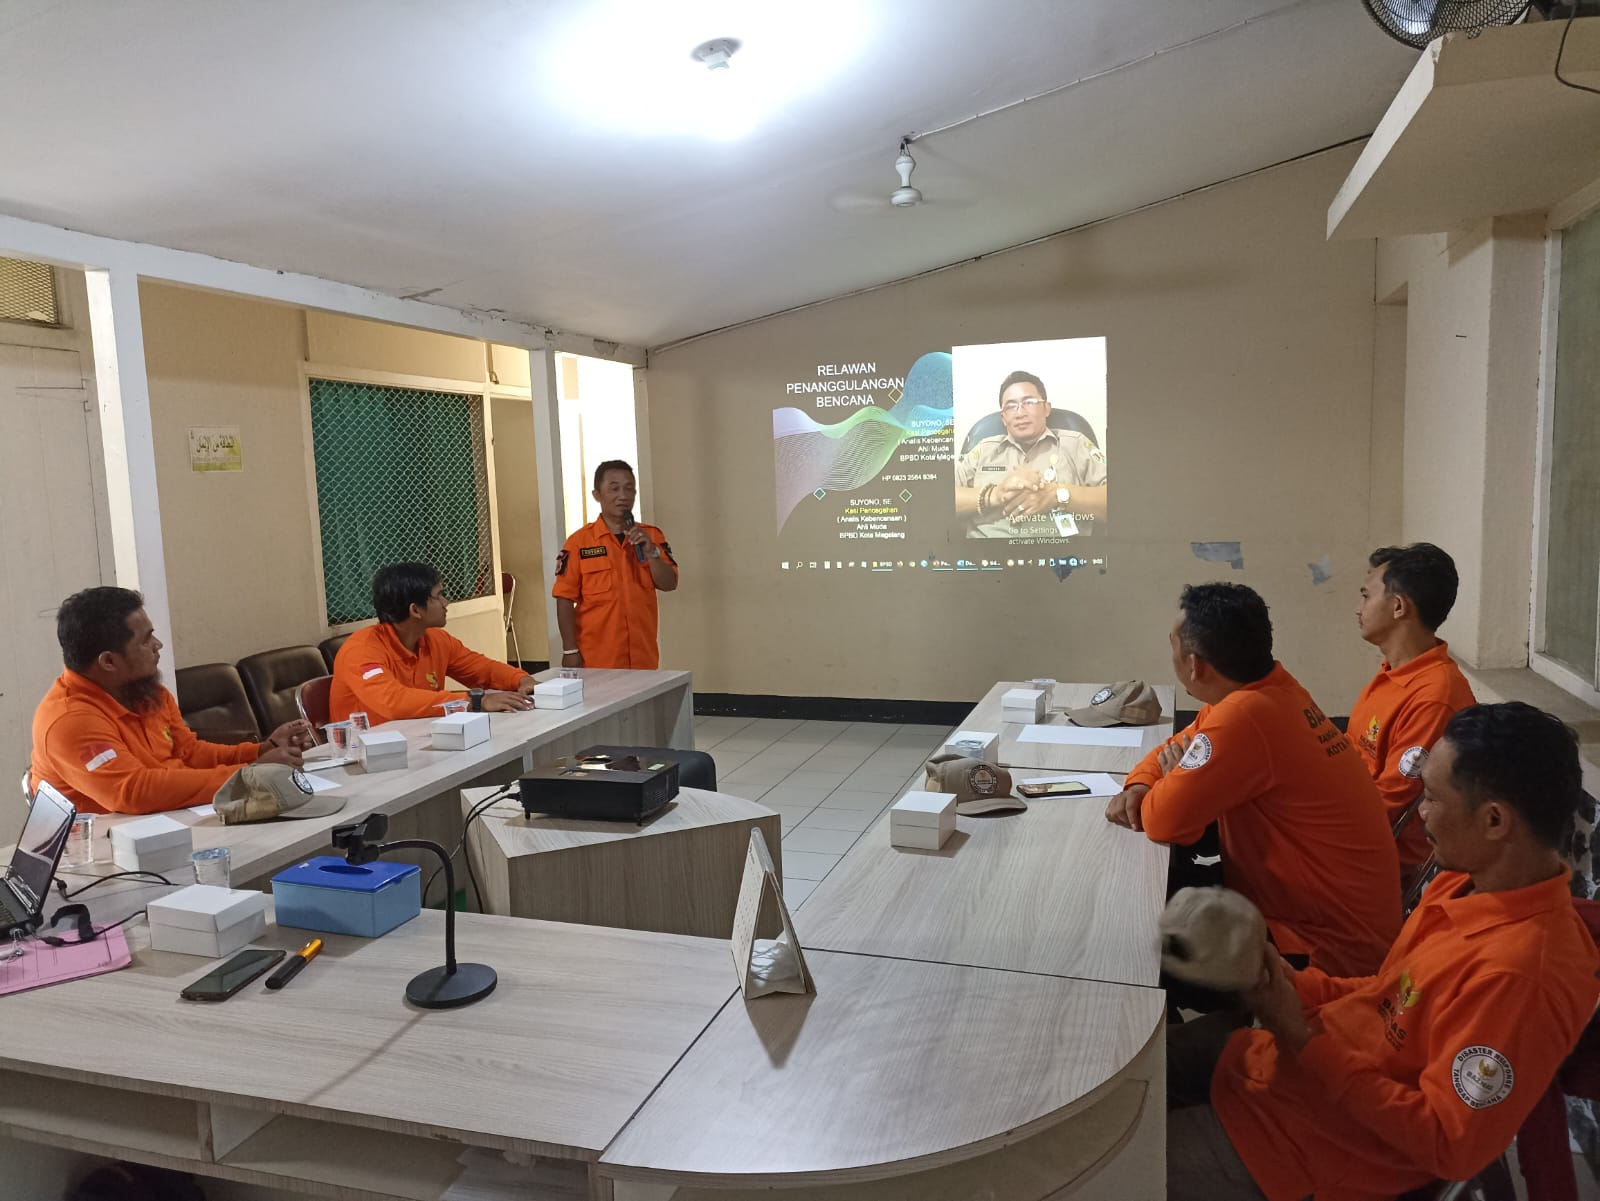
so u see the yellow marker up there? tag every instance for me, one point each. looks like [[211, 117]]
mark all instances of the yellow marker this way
[[297, 961]]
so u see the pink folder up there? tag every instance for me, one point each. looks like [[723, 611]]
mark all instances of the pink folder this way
[[42, 964]]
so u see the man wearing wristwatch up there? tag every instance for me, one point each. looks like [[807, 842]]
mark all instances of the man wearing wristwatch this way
[[398, 667], [1033, 480], [607, 577]]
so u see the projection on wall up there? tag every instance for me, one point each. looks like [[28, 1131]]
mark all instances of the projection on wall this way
[[975, 459]]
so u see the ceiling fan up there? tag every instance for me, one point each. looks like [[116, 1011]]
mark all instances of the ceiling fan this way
[[906, 196]]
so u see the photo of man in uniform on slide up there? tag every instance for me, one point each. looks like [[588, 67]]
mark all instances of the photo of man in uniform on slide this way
[[1033, 480]]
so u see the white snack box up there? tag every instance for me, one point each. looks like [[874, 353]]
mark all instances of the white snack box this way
[[922, 821], [1023, 704], [205, 920], [988, 743], [560, 693], [151, 844], [383, 750], [458, 731]]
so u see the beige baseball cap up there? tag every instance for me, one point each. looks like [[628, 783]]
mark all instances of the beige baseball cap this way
[[1213, 937], [979, 787], [1125, 703], [260, 792]]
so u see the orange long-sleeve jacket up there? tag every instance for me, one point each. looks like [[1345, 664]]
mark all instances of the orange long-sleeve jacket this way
[[373, 673], [1395, 722], [1302, 829], [1426, 1070], [105, 758]]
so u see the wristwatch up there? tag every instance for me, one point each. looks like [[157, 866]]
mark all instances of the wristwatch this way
[[475, 699], [1063, 497]]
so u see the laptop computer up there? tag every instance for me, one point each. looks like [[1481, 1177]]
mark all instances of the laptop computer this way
[[25, 885]]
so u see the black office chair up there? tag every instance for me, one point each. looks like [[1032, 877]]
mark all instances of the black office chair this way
[[272, 679], [696, 769], [214, 705], [1060, 419], [330, 647]]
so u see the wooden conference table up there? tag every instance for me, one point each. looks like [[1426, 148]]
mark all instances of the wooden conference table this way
[[1023, 1062]]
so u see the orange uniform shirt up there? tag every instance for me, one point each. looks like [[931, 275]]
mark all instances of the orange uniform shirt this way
[[1426, 1070], [1302, 829], [107, 759], [615, 596], [374, 674], [1396, 721]]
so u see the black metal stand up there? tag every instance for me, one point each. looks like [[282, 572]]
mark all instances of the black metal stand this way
[[454, 984]]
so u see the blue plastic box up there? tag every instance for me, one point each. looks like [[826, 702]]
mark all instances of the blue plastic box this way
[[328, 894]]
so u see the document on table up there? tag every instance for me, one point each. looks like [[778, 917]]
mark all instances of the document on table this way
[[1082, 735], [1100, 783], [324, 764]]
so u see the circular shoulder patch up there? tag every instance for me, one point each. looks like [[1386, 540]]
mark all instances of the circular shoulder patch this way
[[1198, 754], [1412, 760], [1482, 1076], [300, 781], [1100, 697]]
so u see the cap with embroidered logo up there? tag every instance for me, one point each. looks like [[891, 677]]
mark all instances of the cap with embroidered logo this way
[[1213, 937], [260, 792], [1126, 703], [979, 787]]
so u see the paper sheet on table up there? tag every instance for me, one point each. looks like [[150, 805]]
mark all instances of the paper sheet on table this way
[[325, 764], [1100, 783], [1081, 736], [41, 964]]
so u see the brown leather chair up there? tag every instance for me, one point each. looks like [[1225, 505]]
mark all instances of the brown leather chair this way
[[212, 699], [272, 678], [330, 647]]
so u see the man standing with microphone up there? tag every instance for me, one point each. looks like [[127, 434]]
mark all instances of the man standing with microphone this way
[[607, 577]]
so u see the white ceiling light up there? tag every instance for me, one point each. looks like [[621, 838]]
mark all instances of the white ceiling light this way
[[623, 67]]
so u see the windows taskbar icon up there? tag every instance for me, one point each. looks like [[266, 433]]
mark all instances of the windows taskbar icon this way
[[1070, 562]]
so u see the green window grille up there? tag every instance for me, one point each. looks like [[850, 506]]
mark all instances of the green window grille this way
[[401, 476], [28, 292]]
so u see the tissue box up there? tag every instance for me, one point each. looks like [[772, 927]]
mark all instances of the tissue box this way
[[560, 693], [205, 920], [152, 844], [383, 750], [1023, 704], [458, 731], [366, 900], [979, 744], [922, 820]]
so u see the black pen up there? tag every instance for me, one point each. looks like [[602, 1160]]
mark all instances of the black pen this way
[[296, 961]]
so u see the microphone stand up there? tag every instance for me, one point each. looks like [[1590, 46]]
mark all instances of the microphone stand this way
[[454, 984]]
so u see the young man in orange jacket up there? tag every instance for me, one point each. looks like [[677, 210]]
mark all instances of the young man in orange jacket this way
[[1360, 1089], [110, 737], [1406, 596], [397, 668], [1302, 830]]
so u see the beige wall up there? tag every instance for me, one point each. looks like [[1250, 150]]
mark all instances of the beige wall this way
[[1241, 380], [1474, 303], [240, 562], [517, 494]]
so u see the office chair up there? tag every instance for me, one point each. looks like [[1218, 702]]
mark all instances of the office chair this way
[[311, 698], [330, 648], [212, 700], [508, 585], [271, 678], [1060, 419]]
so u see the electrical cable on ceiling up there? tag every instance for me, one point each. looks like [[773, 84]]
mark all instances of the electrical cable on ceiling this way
[[1561, 49]]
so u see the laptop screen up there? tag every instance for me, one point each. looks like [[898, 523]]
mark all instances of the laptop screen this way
[[44, 835]]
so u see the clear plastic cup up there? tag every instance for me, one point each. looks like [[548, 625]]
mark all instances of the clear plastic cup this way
[[212, 866], [456, 706], [79, 851], [341, 737], [360, 722]]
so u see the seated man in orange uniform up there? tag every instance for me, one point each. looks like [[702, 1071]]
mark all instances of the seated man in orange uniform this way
[[1302, 829], [607, 577], [1408, 593], [397, 668], [1366, 1088], [110, 737]]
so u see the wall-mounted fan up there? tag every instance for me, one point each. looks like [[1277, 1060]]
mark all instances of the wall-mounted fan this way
[[1418, 22]]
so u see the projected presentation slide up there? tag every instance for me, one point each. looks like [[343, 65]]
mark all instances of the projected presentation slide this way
[[979, 458]]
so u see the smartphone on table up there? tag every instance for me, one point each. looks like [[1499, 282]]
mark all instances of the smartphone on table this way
[[222, 981], [1057, 788]]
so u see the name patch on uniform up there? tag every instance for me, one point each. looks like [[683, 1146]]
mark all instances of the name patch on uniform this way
[[100, 760], [591, 552], [1411, 762], [1198, 754], [1482, 1076], [370, 670]]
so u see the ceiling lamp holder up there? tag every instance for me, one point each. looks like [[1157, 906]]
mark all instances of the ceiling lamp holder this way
[[717, 54]]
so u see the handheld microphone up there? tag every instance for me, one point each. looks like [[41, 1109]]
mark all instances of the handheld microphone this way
[[627, 524]]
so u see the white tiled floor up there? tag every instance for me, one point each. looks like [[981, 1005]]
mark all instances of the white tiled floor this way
[[828, 780]]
